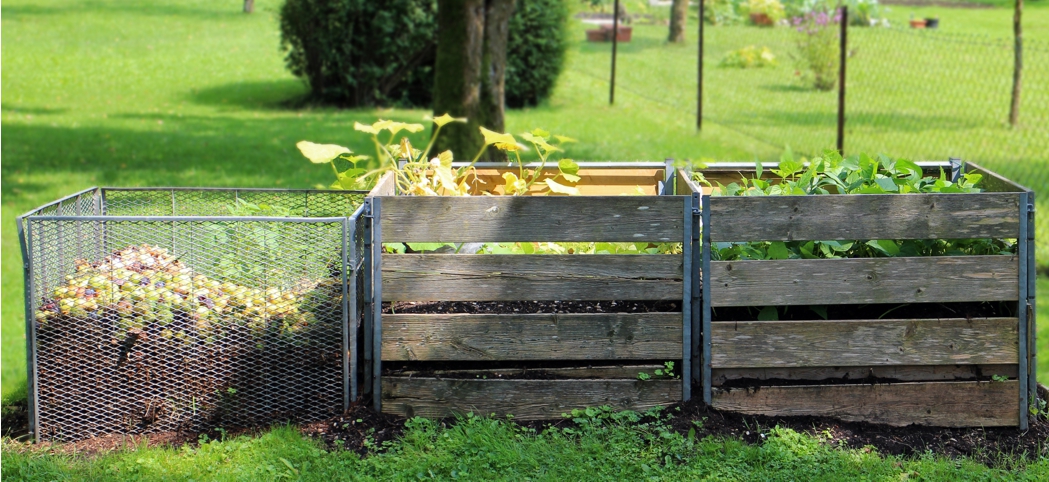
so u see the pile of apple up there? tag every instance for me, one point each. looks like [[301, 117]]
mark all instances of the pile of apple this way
[[144, 285]]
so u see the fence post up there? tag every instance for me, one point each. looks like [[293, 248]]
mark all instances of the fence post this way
[[1018, 64], [843, 55], [615, 42], [699, 74]]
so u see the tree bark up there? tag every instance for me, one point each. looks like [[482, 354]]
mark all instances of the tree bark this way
[[1018, 64], [469, 72], [678, 15], [249, 6]]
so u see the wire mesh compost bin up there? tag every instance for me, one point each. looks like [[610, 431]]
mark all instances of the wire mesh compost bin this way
[[153, 310]]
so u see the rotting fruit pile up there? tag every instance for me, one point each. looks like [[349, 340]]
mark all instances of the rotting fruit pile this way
[[140, 286]]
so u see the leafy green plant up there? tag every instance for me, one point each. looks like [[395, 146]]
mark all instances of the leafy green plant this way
[[749, 57], [772, 9]]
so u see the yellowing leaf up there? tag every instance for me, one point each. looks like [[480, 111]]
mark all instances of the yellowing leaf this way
[[365, 128], [445, 158], [564, 140], [568, 166], [492, 137], [321, 153], [540, 133], [561, 188], [445, 119], [571, 177], [381, 124]]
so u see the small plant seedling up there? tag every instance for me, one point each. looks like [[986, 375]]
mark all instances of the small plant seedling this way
[[667, 370], [644, 376], [999, 378]]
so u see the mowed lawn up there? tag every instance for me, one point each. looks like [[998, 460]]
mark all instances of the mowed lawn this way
[[195, 93]]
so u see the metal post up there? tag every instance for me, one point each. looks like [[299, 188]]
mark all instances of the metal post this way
[[368, 295], [1032, 328], [615, 43], [376, 270], [696, 301], [699, 74], [666, 188], [686, 304], [956, 168], [349, 348], [1024, 249], [30, 327], [705, 314], [843, 54]]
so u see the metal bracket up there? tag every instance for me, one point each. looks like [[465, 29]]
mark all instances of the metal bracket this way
[[956, 168]]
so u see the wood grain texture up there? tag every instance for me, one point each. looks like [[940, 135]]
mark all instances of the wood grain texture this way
[[864, 342], [903, 373], [864, 217], [612, 372], [524, 399], [486, 219], [870, 280], [994, 182], [593, 181], [614, 336], [941, 404], [385, 186], [685, 185], [449, 277]]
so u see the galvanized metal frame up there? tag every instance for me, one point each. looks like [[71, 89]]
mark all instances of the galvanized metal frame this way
[[696, 300], [1032, 326], [25, 243], [369, 297], [376, 271], [1022, 341], [705, 313], [686, 302]]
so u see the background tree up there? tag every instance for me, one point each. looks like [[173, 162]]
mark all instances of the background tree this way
[[678, 15], [249, 6], [469, 74]]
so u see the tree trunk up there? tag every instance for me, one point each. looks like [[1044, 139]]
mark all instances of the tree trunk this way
[[249, 6], [678, 15], [469, 72], [1018, 64]]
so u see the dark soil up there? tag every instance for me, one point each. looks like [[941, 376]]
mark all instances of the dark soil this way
[[533, 307]]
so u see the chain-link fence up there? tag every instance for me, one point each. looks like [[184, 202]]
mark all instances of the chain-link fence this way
[[154, 310]]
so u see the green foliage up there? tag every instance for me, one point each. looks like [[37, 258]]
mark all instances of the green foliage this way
[[749, 57], [772, 8], [535, 51], [858, 174], [722, 12], [361, 52], [817, 41]]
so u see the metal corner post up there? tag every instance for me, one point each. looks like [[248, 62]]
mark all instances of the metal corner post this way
[[349, 345], [25, 243], [368, 295], [667, 188], [686, 302], [705, 313], [376, 270], [1022, 316], [1032, 312], [696, 301]]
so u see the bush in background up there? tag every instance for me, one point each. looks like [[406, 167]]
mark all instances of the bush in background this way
[[357, 53], [535, 50], [361, 52]]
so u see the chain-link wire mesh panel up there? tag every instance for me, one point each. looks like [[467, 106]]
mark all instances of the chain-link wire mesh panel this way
[[148, 325]]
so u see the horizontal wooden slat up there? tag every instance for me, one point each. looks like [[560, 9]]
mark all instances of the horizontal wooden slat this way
[[863, 217], [906, 373], [485, 219], [935, 279], [524, 399], [992, 181], [613, 336], [617, 371], [449, 277], [864, 342], [593, 181], [942, 404]]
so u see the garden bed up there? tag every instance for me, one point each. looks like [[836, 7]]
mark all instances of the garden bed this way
[[485, 311]]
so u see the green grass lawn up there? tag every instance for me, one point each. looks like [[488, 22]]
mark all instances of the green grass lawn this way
[[194, 93]]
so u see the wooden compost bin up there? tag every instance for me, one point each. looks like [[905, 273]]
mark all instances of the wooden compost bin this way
[[940, 370], [598, 356]]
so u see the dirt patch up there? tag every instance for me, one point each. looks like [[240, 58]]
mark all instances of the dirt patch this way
[[359, 429]]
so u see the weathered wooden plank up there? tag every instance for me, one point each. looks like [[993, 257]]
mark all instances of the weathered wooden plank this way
[[449, 277], [606, 336], [593, 181], [903, 373], [994, 182], [610, 372], [936, 279], [524, 399], [485, 219], [864, 342], [685, 185], [942, 404], [385, 186], [862, 217]]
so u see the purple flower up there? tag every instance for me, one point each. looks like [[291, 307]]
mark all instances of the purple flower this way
[[796, 21]]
